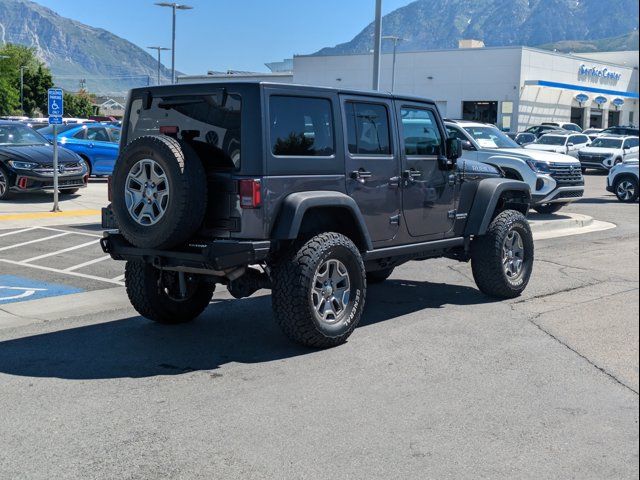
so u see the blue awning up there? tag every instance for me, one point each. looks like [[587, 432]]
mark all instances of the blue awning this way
[[581, 88]]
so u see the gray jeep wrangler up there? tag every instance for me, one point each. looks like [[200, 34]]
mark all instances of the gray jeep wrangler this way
[[310, 192]]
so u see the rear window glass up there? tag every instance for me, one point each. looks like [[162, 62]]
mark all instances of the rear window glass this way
[[301, 126], [210, 123], [368, 129]]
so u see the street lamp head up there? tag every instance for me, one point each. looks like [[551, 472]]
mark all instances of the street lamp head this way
[[177, 6]]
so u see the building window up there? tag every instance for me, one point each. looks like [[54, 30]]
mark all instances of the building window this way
[[368, 129], [486, 112], [301, 126]]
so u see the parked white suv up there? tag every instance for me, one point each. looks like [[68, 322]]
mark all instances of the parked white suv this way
[[608, 151], [569, 144], [555, 179], [623, 181]]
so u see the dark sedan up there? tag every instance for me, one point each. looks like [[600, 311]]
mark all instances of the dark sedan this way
[[26, 163]]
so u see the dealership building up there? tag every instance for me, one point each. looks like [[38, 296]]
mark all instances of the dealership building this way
[[512, 87]]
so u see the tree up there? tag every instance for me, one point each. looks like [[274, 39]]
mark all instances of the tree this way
[[9, 98], [37, 80], [79, 105]]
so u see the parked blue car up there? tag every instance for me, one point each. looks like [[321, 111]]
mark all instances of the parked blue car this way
[[96, 143]]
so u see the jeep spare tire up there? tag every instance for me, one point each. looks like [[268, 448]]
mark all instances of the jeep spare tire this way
[[159, 192]]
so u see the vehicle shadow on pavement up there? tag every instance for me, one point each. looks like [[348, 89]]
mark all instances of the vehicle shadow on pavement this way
[[241, 331]]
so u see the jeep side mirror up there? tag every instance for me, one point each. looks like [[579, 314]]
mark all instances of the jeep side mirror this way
[[467, 145], [454, 149]]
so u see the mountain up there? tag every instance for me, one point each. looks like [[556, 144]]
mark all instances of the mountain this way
[[629, 41], [74, 51], [437, 24]]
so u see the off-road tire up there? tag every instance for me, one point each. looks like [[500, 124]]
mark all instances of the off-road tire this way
[[549, 208], [293, 275], [634, 182], [379, 276], [69, 191], [150, 301], [487, 256], [187, 192]]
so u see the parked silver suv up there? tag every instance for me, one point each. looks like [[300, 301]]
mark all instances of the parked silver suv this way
[[555, 179]]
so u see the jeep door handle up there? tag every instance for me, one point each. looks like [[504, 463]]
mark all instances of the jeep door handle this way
[[412, 175], [361, 175]]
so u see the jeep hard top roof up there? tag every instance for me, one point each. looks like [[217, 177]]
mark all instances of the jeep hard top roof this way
[[202, 87]]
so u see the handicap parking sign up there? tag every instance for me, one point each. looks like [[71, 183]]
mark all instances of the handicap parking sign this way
[[19, 289], [56, 102]]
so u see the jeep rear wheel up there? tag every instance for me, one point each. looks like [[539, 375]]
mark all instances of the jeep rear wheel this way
[[166, 297], [319, 291], [159, 192], [502, 259]]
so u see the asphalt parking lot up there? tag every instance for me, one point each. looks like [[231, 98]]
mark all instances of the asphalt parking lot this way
[[437, 382]]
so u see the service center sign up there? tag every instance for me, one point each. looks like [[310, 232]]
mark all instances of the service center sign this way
[[597, 73]]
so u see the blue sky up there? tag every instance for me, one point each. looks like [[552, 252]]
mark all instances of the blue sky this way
[[229, 34]]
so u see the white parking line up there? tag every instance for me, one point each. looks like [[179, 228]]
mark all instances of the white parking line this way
[[119, 278], [18, 231], [34, 241], [55, 270], [58, 252], [86, 264], [74, 232]]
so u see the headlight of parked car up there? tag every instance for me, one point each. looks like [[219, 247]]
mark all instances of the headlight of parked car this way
[[22, 165], [539, 167]]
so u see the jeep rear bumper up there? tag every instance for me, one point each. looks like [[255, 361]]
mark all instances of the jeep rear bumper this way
[[214, 257]]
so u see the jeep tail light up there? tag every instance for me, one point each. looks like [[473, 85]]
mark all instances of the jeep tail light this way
[[109, 186], [250, 193]]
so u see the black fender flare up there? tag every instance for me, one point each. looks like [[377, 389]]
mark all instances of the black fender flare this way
[[295, 205], [486, 199]]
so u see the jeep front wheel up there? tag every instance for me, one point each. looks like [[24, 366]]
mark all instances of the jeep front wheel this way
[[319, 291], [166, 297], [502, 259]]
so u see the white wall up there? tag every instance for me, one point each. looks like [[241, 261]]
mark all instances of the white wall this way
[[543, 104], [456, 75], [493, 74]]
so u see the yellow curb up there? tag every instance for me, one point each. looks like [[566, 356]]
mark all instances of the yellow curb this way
[[44, 215]]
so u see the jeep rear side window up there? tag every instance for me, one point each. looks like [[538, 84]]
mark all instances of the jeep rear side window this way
[[368, 129], [210, 123], [301, 126], [420, 130]]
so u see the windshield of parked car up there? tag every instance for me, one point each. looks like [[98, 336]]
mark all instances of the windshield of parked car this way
[[490, 137], [61, 129], [20, 135], [552, 140], [607, 143]]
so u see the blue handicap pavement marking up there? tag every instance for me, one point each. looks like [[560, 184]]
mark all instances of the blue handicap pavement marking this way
[[19, 289]]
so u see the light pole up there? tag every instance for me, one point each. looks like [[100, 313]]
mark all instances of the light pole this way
[[395, 39], [159, 49], [377, 45], [22, 88], [174, 6]]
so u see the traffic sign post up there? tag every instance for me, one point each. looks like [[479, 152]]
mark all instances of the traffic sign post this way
[[56, 111]]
